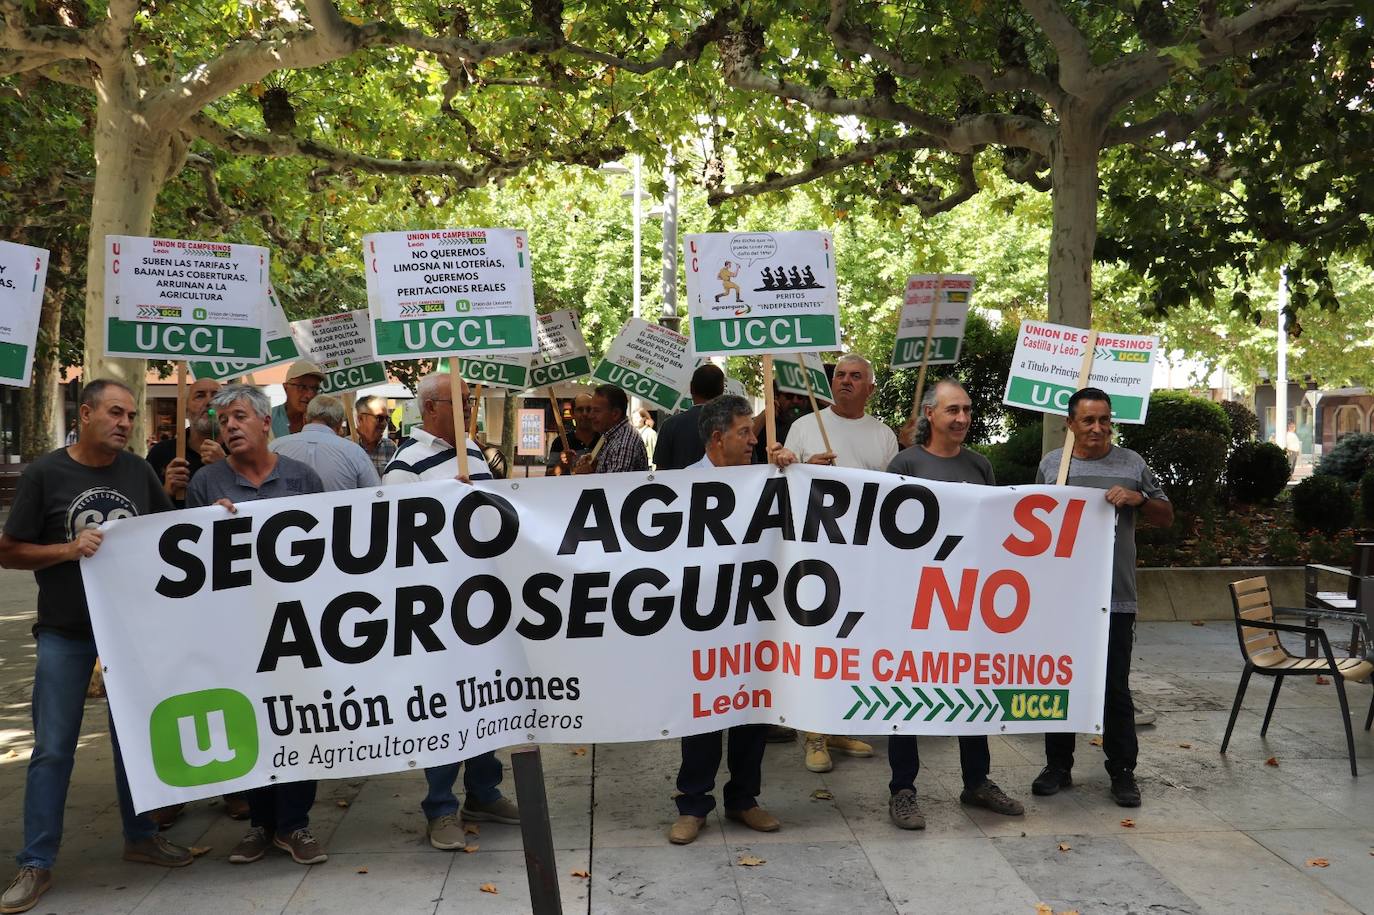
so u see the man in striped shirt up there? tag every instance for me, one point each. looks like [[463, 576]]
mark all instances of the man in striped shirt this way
[[426, 454]]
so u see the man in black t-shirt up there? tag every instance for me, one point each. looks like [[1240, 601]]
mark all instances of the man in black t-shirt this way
[[62, 499], [202, 444]]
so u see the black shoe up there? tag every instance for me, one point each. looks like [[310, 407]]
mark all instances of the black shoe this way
[[1124, 790], [1050, 780]]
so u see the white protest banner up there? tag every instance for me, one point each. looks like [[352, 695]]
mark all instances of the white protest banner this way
[[368, 631], [277, 347], [1049, 357], [168, 298], [762, 292], [23, 272], [341, 345], [648, 361], [436, 293], [787, 375], [955, 293], [498, 370], [563, 354]]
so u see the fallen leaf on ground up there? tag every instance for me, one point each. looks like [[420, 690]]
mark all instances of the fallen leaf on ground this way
[[471, 829], [1064, 846], [1318, 862], [198, 850], [1186, 746], [1199, 622], [1272, 761], [751, 860], [470, 848], [821, 794], [1096, 741], [1322, 681], [579, 751], [489, 888], [1069, 912], [583, 874], [341, 803], [1042, 909], [12, 754], [362, 870], [1128, 823]]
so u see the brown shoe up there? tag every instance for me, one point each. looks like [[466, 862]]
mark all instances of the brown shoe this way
[[157, 850], [251, 847], [28, 885], [236, 806], [302, 845], [756, 818], [685, 829], [164, 817]]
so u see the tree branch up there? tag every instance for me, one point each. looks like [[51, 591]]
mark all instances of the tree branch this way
[[710, 31], [113, 34], [1075, 59], [15, 62], [819, 168], [63, 42]]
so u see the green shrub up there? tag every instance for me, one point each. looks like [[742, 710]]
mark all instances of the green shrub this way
[[1322, 503], [1191, 466], [1173, 411], [1284, 546], [1015, 461], [1350, 458], [1244, 422], [1257, 472], [1367, 497]]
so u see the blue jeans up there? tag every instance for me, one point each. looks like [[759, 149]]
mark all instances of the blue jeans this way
[[59, 700], [481, 778]]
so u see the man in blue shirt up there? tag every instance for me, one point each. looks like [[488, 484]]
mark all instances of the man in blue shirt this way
[[341, 464]]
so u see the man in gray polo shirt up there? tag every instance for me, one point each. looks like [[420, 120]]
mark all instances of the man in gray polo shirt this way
[[1132, 488], [280, 814], [341, 463]]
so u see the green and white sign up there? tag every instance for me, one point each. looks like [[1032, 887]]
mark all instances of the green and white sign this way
[[278, 347], [437, 293], [23, 271], [341, 345], [353, 377], [563, 353], [500, 370], [648, 361], [762, 292], [168, 298], [954, 293], [1049, 358], [787, 374]]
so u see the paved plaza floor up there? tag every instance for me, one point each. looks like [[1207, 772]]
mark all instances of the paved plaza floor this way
[[1215, 834]]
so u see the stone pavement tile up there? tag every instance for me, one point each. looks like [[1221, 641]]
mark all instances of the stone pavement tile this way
[[1259, 799], [1231, 872], [394, 883], [813, 876], [650, 756], [1350, 872], [636, 811], [383, 818], [1285, 738], [1096, 874], [665, 880], [506, 871], [864, 805], [916, 872], [229, 889], [1163, 809], [570, 817], [1044, 815], [1329, 781]]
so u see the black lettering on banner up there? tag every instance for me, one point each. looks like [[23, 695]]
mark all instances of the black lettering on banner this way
[[863, 521], [412, 532], [774, 510], [658, 608], [418, 624], [505, 535], [460, 610], [828, 502], [289, 615], [583, 603], [930, 516], [372, 560], [169, 549], [372, 631], [591, 507], [757, 579], [823, 612], [668, 524], [309, 552], [550, 614], [712, 502], [716, 610], [226, 552]]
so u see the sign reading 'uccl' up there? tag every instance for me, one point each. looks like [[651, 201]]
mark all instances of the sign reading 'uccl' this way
[[23, 271], [647, 361], [168, 298], [449, 291], [366, 631], [762, 292], [1049, 358], [787, 374], [498, 370], [341, 345], [277, 347], [954, 292], [563, 354]]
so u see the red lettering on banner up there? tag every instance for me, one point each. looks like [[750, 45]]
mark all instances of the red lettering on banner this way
[[1069, 532], [988, 605], [1040, 533], [933, 585], [831, 664], [978, 668]]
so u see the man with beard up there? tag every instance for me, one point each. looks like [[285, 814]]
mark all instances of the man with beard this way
[[202, 446]]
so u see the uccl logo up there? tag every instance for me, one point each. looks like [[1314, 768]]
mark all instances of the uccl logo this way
[[203, 737]]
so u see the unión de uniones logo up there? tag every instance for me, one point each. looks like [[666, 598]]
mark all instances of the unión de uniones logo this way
[[207, 736]]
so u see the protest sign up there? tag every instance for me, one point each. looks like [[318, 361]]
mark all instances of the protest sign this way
[[366, 631], [437, 293], [787, 374], [954, 292], [762, 292], [563, 354], [648, 361], [1049, 359], [498, 370], [277, 347], [531, 425], [341, 345], [167, 298], [23, 271]]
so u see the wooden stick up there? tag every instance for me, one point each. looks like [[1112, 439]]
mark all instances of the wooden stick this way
[[562, 431], [925, 350], [770, 419], [460, 425], [351, 413], [181, 417], [476, 408], [811, 393], [1083, 374]]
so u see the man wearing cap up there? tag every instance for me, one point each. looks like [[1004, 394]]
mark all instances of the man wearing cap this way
[[302, 383]]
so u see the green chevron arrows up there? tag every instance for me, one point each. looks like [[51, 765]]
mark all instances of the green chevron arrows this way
[[949, 704]]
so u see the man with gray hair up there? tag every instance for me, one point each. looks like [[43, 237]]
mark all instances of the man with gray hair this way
[[280, 813], [341, 464], [727, 427], [373, 424], [858, 440]]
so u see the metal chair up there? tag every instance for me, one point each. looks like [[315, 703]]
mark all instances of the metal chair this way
[[1264, 654]]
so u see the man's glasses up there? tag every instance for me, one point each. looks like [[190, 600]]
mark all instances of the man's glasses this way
[[312, 388]]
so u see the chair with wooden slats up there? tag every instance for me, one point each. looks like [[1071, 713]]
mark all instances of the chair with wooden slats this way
[[1265, 655]]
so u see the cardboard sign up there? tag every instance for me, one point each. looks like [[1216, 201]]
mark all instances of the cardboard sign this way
[[563, 354], [1049, 357], [277, 344], [648, 361], [341, 345], [787, 374], [23, 272], [955, 294], [499, 370], [531, 425]]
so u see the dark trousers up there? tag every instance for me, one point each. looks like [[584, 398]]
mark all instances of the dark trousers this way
[[701, 761], [905, 760], [282, 809], [1118, 715]]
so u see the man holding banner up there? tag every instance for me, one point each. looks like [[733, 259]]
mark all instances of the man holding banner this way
[[621, 449], [1131, 487]]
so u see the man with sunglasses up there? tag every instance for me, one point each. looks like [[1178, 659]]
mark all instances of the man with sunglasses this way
[[302, 383], [373, 425]]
